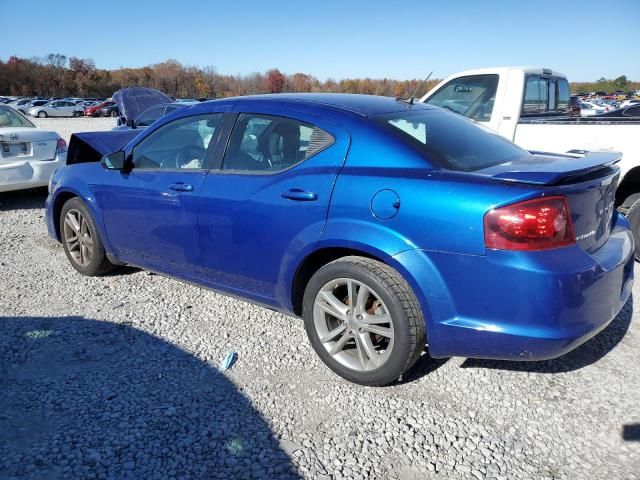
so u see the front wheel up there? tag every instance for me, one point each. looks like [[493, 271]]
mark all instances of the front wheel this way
[[363, 320], [114, 114], [81, 240], [42, 114]]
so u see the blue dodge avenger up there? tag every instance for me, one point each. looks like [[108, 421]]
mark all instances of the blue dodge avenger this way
[[386, 225]]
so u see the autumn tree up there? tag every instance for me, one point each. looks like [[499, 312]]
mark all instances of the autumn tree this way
[[275, 81]]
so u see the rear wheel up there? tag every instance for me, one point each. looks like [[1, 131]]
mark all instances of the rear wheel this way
[[42, 114], [114, 113], [81, 240], [363, 320], [633, 215]]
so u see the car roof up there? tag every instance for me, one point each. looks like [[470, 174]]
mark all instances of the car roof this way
[[365, 105]]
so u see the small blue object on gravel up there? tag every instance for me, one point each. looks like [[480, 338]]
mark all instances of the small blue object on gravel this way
[[228, 361]]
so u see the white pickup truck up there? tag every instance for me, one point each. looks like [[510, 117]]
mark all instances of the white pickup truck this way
[[531, 106]]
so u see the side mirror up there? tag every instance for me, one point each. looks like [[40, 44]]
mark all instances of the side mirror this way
[[131, 123], [114, 161]]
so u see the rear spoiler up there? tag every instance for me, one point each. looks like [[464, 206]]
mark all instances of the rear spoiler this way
[[550, 168], [92, 146]]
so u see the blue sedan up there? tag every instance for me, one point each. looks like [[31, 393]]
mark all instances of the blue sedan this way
[[386, 225]]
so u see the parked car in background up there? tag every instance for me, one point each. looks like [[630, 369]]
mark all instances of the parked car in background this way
[[315, 205], [631, 112], [94, 110], [590, 108], [132, 101], [21, 104], [56, 108], [28, 154], [152, 114], [575, 108], [109, 110]]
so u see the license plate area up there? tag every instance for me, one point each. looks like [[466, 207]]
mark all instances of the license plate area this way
[[15, 149]]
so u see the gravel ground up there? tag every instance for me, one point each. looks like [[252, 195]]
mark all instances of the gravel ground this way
[[68, 125], [117, 377]]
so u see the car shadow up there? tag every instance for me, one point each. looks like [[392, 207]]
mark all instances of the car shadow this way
[[631, 432], [31, 199], [423, 367], [82, 398], [586, 354]]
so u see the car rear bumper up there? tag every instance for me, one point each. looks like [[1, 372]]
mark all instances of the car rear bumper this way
[[24, 174], [522, 305]]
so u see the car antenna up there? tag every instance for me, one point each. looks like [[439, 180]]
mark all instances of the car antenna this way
[[411, 99]]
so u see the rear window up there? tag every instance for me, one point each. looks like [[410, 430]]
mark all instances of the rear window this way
[[450, 140], [10, 118]]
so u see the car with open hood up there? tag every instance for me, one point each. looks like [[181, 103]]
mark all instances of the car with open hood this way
[[133, 101], [28, 155], [387, 225]]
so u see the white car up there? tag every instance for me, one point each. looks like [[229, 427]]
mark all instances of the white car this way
[[28, 155], [588, 108]]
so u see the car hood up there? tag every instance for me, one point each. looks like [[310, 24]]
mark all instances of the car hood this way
[[132, 101]]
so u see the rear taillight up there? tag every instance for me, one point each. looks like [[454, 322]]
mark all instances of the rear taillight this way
[[537, 224], [61, 146]]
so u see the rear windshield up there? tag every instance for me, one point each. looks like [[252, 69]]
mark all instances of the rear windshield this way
[[450, 140], [10, 118]]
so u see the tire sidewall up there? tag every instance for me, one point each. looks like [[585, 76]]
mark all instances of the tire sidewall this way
[[95, 266], [42, 114], [394, 367]]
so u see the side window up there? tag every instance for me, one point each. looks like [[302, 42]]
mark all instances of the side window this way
[[536, 95], [182, 143], [265, 143], [472, 96]]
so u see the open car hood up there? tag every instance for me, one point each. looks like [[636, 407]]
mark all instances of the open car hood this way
[[132, 101]]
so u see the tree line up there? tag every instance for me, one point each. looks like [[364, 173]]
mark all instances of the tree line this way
[[62, 76]]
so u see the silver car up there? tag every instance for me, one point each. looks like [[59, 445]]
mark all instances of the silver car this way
[[57, 108], [21, 104]]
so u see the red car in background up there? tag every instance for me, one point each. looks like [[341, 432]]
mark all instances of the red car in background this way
[[94, 110]]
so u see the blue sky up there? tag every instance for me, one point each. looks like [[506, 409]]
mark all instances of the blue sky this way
[[584, 39]]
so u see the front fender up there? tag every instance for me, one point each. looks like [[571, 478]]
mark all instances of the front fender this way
[[80, 189]]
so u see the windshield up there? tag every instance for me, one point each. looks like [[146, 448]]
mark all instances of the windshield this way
[[450, 140], [472, 96], [10, 118]]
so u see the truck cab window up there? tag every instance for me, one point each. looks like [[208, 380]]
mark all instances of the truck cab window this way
[[545, 95], [472, 96]]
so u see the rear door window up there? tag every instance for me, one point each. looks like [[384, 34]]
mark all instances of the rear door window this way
[[267, 143], [472, 96]]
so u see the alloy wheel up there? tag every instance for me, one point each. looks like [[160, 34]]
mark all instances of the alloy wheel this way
[[353, 324], [77, 237]]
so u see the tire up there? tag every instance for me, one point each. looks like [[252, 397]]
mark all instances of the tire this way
[[78, 252], [114, 113], [388, 297], [76, 114], [633, 215], [42, 114]]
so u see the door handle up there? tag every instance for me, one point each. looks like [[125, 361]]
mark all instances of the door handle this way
[[181, 187], [299, 195]]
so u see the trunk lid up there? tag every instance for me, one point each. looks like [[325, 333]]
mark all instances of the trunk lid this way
[[27, 143], [589, 182]]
